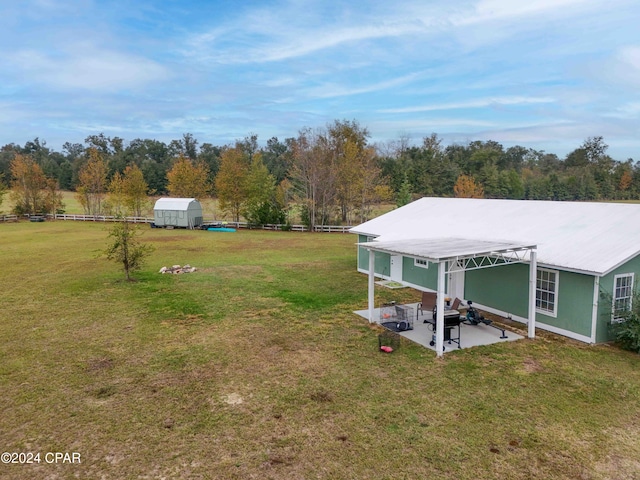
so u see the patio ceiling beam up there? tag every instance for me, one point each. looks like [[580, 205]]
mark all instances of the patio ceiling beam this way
[[466, 264]]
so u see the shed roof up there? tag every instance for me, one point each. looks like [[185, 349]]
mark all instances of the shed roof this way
[[174, 203], [587, 237]]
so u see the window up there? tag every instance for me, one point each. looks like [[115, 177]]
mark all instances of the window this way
[[418, 262], [547, 292], [622, 295]]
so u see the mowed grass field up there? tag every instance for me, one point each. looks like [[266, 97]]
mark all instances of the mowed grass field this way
[[255, 367]]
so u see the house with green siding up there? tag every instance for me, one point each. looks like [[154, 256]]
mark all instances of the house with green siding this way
[[585, 257]]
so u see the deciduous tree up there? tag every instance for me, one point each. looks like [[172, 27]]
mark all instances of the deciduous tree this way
[[125, 247], [263, 204], [188, 179], [115, 201], [466, 187], [52, 197], [314, 175], [28, 186], [231, 181], [92, 182], [135, 190], [3, 189]]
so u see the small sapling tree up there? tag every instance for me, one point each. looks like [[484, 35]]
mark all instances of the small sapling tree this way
[[125, 247]]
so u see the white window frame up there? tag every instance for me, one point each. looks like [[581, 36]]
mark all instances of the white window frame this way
[[629, 295], [550, 313], [421, 263]]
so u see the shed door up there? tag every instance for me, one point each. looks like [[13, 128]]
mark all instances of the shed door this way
[[396, 268]]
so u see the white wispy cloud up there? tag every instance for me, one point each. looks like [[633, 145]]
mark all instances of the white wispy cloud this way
[[332, 90], [88, 68], [629, 59], [505, 10], [478, 103]]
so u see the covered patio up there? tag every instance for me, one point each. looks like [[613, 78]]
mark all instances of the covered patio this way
[[421, 332], [452, 255]]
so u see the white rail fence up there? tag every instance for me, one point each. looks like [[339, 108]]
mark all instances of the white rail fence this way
[[245, 225]]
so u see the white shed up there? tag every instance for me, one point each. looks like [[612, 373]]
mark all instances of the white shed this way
[[177, 212]]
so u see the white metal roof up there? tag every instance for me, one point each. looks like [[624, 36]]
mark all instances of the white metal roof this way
[[438, 249], [174, 203], [582, 236]]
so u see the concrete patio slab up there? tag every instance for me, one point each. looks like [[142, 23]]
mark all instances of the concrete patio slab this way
[[470, 335]]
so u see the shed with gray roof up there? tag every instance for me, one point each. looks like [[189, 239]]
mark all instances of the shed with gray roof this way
[[177, 213]]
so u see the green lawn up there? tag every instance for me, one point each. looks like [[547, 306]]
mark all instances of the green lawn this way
[[255, 367]]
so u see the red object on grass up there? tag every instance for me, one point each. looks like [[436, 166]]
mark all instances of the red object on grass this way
[[384, 348]]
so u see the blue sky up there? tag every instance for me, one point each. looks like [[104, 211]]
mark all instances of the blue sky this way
[[544, 74]]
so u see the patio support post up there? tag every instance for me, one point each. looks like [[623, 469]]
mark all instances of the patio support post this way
[[440, 310], [594, 312], [372, 264], [533, 269]]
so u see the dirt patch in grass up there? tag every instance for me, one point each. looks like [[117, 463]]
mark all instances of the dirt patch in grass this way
[[530, 365], [99, 364]]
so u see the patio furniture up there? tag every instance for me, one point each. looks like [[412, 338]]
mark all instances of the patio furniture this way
[[428, 303], [397, 318], [404, 317], [450, 309]]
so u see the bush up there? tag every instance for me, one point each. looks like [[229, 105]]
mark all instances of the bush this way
[[265, 213], [627, 332]]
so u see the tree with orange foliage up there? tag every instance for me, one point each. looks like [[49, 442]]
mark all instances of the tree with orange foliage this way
[[3, 189], [466, 187], [135, 190], [28, 181], [188, 179], [625, 180], [231, 181], [92, 183]]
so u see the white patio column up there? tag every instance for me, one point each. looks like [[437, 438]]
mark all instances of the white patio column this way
[[594, 311], [533, 269], [440, 311], [372, 265]]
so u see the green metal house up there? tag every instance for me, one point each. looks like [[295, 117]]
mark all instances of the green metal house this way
[[565, 267]]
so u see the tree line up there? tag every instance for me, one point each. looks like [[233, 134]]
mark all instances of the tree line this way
[[332, 174]]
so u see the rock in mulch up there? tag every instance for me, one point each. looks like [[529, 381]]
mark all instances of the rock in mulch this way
[[177, 269]]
